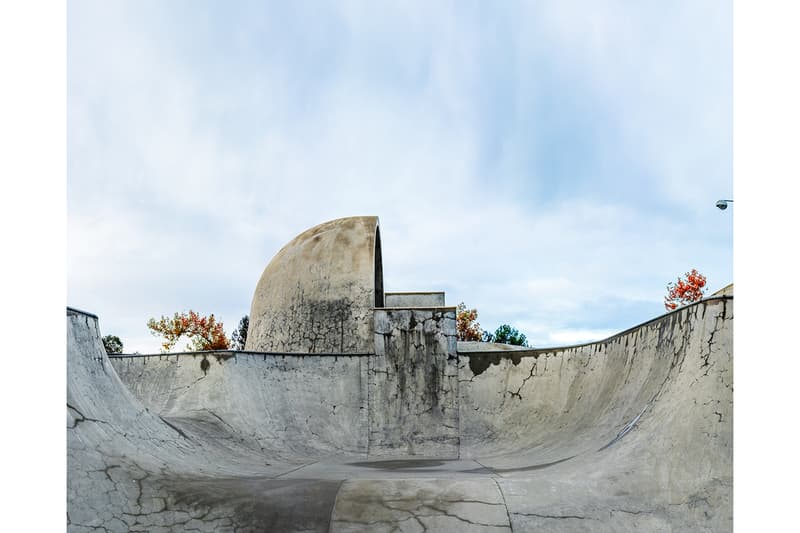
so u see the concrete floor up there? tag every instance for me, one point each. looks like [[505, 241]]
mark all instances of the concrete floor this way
[[633, 433]]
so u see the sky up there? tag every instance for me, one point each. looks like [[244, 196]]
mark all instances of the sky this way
[[552, 164]]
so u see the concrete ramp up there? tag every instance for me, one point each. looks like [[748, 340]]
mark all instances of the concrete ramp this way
[[130, 469], [633, 433]]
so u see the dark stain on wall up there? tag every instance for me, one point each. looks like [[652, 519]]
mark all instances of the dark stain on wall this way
[[479, 362]]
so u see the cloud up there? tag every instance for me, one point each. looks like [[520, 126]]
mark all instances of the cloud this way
[[553, 165], [578, 336]]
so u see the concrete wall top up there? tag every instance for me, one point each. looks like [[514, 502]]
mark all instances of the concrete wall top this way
[[318, 292], [727, 290], [415, 299]]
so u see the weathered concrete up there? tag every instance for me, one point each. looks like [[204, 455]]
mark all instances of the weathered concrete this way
[[414, 299], [273, 401], [413, 383], [128, 469], [318, 292], [420, 505], [469, 347], [727, 290], [630, 434]]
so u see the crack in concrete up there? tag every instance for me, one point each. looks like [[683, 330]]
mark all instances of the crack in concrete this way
[[524, 381], [180, 432], [628, 427], [561, 517], [84, 418]]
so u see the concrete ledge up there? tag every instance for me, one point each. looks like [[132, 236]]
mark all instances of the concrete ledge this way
[[73, 311], [403, 293], [414, 298], [226, 354], [629, 330], [419, 307]]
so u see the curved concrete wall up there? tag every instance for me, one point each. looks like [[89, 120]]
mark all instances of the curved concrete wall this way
[[318, 292], [129, 469], [293, 407], [629, 434], [516, 401], [510, 402], [639, 425]]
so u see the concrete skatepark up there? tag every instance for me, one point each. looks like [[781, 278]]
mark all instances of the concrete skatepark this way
[[352, 409]]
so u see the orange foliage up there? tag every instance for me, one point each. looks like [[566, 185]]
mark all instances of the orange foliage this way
[[685, 292], [205, 332], [467, 327]]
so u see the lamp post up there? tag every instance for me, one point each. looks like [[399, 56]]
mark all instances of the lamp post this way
[[723, 204]]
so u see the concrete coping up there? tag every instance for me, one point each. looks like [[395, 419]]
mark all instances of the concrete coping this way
[[74, 311], [471, 351], [419, 308], [523, 352], [232, 353], [414, 292], [538, 351], [482, 347]]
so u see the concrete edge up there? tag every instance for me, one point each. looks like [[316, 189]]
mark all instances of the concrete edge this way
[[420, 307], [533, 352], [536, 352], [414, 292], [227, 354], [74, 311]]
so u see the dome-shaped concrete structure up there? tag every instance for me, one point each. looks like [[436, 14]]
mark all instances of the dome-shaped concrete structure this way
[[318, 293]]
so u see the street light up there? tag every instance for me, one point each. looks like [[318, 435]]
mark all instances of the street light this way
[[723, 204]]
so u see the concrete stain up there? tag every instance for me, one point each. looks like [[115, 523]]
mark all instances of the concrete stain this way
[[479, 362], [399, 464]]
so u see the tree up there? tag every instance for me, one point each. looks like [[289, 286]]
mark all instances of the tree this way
[[205, 332], [112, 344], [239, 336], [505, 334], [684, 292], [467, 329]]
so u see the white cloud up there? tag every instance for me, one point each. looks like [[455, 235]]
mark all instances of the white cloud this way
[[182, 185], [578, 336]]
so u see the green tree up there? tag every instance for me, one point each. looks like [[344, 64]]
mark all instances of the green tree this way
[[239, 337], [112, 344], [506, 334]]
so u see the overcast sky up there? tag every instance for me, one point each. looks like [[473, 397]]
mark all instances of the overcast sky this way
[[553, 164]]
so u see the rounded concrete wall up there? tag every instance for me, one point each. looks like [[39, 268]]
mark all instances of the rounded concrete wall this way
[[318, 292], [633, 433]]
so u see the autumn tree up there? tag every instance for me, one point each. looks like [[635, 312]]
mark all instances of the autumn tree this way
[[239, 336], [467, 327], [686, 291], [112, 344], [205, 333]]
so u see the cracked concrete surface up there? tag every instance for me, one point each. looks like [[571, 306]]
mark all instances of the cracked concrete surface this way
[[416, 505], [633, 433], [413, 383]]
